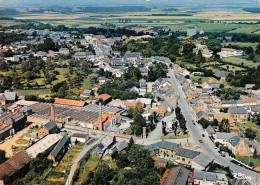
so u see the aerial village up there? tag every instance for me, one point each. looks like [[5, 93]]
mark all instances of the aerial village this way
[[29, 128]]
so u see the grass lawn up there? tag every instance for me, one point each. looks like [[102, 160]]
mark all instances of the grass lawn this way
[[33, 92], [90, 166], [168, 114], [175, 137], [245, 160], [242, 44], [21, 141], [35, 130], [231, 68], [239, 61], [247, 125]]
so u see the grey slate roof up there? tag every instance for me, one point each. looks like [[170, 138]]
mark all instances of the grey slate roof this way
[[200, 113], [215, 86], [224, 135], [10, 95], [203, 160], [213, 177], [87, 92], [183, 152], [234, 140], [153, 147], [255, 108], [59, 145], [168, 145], [236, 181], [177, 176], [210, 130], [121, 146], [238, 110], [219, 74], [50, 125]]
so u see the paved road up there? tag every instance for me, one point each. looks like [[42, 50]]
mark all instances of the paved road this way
[[207, 146], [79, 157]]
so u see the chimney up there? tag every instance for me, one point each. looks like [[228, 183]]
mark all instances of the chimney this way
[[52, 113], [144, 132], [100, 126]]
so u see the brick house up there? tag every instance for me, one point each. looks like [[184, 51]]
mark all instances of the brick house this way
[[238, 113], [238, 145], [47, 128], [185, 156], [168, 149]]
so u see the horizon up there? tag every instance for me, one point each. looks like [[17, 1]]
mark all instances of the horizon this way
[[158, 3]]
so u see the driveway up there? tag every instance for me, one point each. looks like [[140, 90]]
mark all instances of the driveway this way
[[79, 157]]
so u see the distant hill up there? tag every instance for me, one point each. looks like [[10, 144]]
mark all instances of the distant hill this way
[[116, 9], [8, 11], [169, 9], [252, 10]]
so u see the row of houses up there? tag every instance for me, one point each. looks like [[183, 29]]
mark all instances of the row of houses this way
[[236, 144]]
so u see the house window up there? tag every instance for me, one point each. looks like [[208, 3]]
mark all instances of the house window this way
[[183, 159]]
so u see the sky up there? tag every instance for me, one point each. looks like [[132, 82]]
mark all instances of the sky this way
[[29, 3]]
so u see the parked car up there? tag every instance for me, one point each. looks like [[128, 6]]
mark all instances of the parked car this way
[[203, 135], [200, 141]]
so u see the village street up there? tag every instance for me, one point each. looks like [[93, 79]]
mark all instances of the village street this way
[[206, 145]]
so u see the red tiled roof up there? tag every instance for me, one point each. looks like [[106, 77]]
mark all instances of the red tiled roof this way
[[79, 91], [19, 160], [70, 102], [104, 97], [165, 175]]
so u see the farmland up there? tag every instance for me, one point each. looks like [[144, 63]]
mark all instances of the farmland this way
[[210, 20]]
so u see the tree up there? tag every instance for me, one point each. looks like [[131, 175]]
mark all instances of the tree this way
[[255, 154], [61, 89], [140, 157], [157, 70], [175, 127], [138, 124], [131, 143], [148, 95], [257, 51], [237, 156], [204, 123], [164, 128], [47, 45], [214, 45], [251, 133], [224, 126], [102, 175]]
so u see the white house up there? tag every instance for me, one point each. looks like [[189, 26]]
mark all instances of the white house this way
[[209, 178], [146, 101], [223, 138], [201, 162], [228, 52], [79, 137]]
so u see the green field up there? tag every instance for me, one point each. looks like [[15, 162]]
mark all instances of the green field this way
[[210, 20], [240, 61], [255, 161]]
